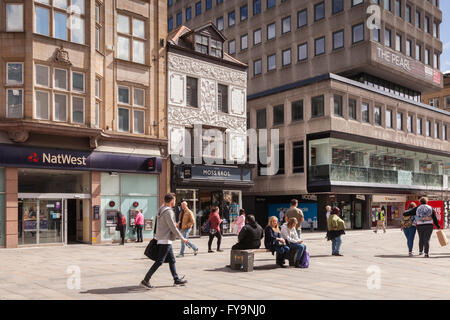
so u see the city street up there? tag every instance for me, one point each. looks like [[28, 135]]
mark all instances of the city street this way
[[114, 272]]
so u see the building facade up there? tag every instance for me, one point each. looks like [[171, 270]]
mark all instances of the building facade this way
[[441, 98], [207, 122], [345, 92], [83, 133]]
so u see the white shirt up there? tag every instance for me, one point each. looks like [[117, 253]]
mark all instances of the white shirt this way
[[328, 214], [164, 241], [289, 234]]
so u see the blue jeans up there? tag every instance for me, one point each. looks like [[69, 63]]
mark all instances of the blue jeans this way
[[410, 234], [300, 247], [336, 245], [185, 234]]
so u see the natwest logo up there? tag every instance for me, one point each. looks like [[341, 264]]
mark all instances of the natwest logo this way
[[63, 159], [33, 157]]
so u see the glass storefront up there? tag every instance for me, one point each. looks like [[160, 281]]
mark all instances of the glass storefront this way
[[346, 161], [2, 207], [126, 193]]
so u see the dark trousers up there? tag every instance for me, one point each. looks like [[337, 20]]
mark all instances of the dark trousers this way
[[281, 253], [122, 233], [424, 231], [211, 237], [139, 228], [165, 253]]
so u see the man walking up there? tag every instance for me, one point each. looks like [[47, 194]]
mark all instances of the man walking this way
[[185, 225], [380, 220], [294, 212], [139, 222], [166, 232]]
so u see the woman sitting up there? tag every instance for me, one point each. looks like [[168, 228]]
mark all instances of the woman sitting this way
[[289, 233], [274, 242]]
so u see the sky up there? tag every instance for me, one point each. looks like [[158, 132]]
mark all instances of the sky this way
[[445, 35]]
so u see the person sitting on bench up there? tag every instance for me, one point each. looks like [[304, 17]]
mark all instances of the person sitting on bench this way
[[289, 233], [250, 235], [274, 242]]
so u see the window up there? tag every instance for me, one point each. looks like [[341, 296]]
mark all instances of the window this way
[[77, 109], [426, 25], [408, 16], [352, 109], [338, 39], [232, 46], [208, 4], [244, 12], [198, 8], [302, 18], [278, 115], [192, 92], [297, 110], [222, 98], [286, 25], [124, 95], [398, 8], [42, 75], [78, 81], [409, 124], [179, 19], [231, 19], [319, 11], [365, 112], [435, 61], [408, 48], [98, 28], [399, 121], [435, 30], [256, 7], [303, 51], [270, 4], [188, 13], [376, 35], [286, 57], [356, 2], [169, 27], [447, 101], [14, 17], [388, 118], [298, 161], [248, 120], [60, 107], [418, 52], [261, 119], [338, 105], [436, 130], [417, 19], [319, 46], [130, 39], [387, 5], [419, 125], [271, 30], [377, 115], [42, 21], [281, 158], [60, 79], [271, 62], [257, 37], [244, 42], [398, 42], [444, 132], [42, 105], [338, 6], [257, 67], [124, 120], [14, 102], [139, 121], [317, 106], [138, 97], [428, 128], [15, 73], [219, 23], [427, 57], [387, 37]]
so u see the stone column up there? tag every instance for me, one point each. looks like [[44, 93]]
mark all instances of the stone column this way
[[96, 236], [11, 216]]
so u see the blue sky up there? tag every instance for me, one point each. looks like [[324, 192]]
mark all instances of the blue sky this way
[[445, 35]]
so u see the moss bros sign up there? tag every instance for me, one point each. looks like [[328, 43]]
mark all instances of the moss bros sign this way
[[214, 173], [76, 160]]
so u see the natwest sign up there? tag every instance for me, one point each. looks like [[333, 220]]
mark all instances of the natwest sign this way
[[63, 159]]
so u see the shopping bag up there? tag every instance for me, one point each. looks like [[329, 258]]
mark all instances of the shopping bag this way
[[152, 250], [442, 238]]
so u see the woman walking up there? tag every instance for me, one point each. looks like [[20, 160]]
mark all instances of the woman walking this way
[[336, 227], [425, 217], [408, 225], [214, 230], [274, 242], [290, 234], [239, 223]]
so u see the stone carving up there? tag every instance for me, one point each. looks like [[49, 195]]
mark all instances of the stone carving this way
[[18, 136], [208, 101], [62, 56], [206, 70]]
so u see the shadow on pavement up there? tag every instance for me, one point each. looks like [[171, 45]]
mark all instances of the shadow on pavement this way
[[255, 268], [121, 290], [395, 256]]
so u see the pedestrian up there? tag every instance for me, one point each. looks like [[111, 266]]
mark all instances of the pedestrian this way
[[336, 228], [290, 235], [239, 223], [214, 230], [380, 220], [185, 225], [294, 212], [139, 223], [250, 235], [121, 226], [328, 209], [425, 216], [275, 242], [166, 232], [408, 226]]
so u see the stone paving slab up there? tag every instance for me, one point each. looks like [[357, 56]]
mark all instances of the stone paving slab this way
[[113, 272]]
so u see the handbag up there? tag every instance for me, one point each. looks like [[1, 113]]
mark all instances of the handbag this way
[[152, 250], [406, 222], [206, 227]]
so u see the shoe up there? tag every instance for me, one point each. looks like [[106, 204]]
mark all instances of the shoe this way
[[426, 256], [410, 254], [180, 255], [374, 231], [219, 250], [210, 251], [146, 284], [338, 255], [195, 251], [281, 264], [420, 253], [180, 282]]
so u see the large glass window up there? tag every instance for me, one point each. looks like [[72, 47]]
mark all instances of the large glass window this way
[[130, 38]]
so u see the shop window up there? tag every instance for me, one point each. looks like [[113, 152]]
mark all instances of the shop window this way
[[298, 165]]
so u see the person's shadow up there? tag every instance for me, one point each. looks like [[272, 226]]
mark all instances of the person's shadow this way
[[121, 290]]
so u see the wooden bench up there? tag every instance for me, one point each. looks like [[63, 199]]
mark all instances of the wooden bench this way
[[244, 259]]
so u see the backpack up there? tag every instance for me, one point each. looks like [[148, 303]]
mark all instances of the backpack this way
[[304, 261]]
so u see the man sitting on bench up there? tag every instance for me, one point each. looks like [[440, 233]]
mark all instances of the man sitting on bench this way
[[250, 235]]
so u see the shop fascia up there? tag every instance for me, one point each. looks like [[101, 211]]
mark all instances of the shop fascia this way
[[260, 142]]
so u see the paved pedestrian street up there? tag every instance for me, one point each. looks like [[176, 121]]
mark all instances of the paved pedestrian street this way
[[374, 266]]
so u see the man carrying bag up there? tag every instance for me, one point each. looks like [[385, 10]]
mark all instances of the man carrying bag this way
[[166, 232]]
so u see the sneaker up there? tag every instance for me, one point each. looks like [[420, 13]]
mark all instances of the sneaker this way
[[338, 255], [410, 254], [426, 255], [219, 250], [210, 251], [180, 255], [146, 284], [420, 253], [195, 251], [180, 282]]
